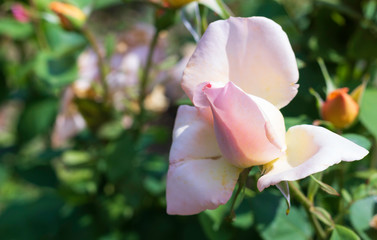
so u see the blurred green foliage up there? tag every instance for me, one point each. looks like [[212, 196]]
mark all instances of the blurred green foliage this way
[[108, 183]]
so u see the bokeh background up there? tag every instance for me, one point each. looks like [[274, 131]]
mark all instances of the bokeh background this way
[[74, 167]]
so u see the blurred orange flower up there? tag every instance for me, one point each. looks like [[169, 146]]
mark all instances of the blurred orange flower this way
[[70, 16]]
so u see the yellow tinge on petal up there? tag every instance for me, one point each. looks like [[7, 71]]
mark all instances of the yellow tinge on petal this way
[[178, 3], [340, 108], [70, 16]]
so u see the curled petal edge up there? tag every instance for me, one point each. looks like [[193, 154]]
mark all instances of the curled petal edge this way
[[310, 149]]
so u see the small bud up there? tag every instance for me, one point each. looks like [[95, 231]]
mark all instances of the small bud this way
[[71, 17], [340, 108]]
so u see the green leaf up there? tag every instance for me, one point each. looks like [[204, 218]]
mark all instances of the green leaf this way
[[313, 186], [286, 227], [39, 218], [217, 216], [41, 175], [184, 101], [243, 220], [37, 118], [362, 45], [154, 186], [300, 63], [322, 215], [14, 29], [346, 196], [325, 187], [343, 233], [293, 121], [166, 19], [110, 130], [368, 113], [211, 232], [61, 40], [54, 69], [361, 212], [75, 157], [121, 157], [218, 6], [359, 140]]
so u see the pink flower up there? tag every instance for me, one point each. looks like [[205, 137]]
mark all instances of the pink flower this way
[[20, 13], [69, 121], [241, 73]]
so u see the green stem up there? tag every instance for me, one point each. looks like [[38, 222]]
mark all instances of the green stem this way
[[144, 83], [317, 226], [203, 15], [329, 83], [156, 5], [145, 77], [101, 65], [226, 13], [339, 218], [308, 205], [39, 33], [299, 195], [373, 160]]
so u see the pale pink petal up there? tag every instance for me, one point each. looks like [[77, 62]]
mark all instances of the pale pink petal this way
[[199, 184], [310, 149], [69, 121], [254, 53], [249, 130], [66, 126], [199, 178], [193, 136]]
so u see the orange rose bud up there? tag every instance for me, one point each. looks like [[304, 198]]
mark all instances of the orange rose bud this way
[[71, 17], [340, 108]]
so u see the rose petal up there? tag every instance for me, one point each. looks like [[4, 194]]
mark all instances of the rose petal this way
[[310, 149], [199, 178], [193, 136], [254, 53], [199, 184], [249, 130]]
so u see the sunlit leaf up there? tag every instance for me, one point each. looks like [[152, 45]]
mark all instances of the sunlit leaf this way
[[361, 212], [343, 233], [14, 29], [359, 140], [368, 113]]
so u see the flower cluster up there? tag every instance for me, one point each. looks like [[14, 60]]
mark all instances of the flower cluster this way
[[129, 57]]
